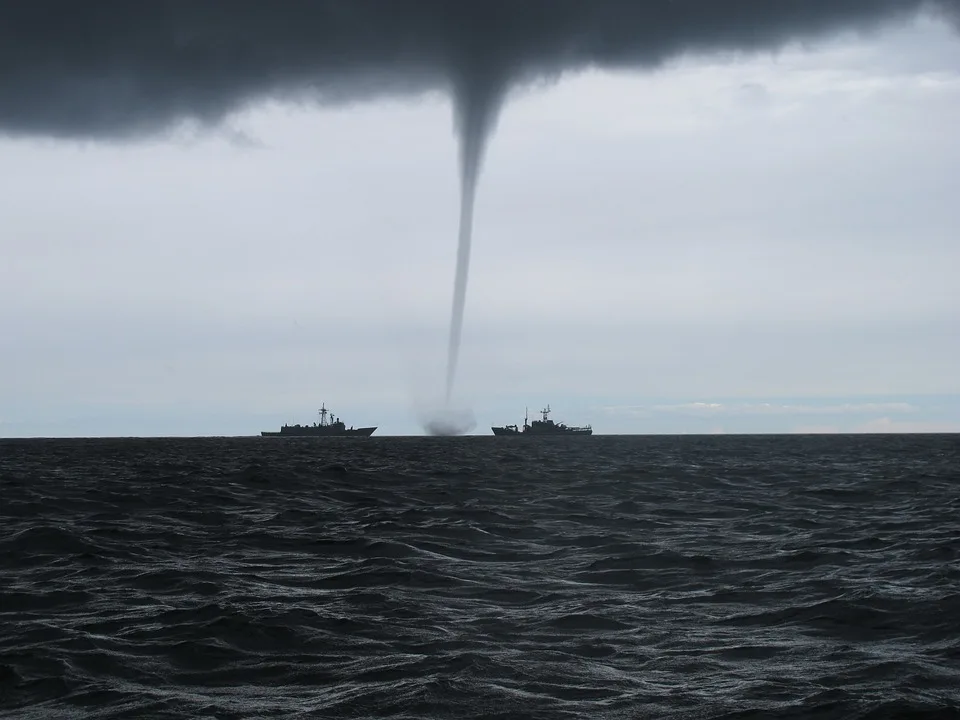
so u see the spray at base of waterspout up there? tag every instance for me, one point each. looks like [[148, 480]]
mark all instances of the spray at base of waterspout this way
[[448, 422]]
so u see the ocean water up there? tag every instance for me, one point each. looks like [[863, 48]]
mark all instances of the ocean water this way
[[603, 577]]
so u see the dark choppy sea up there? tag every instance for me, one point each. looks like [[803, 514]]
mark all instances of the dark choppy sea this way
[[604, 577]]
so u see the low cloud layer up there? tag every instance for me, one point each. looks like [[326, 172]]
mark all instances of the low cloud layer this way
[[112, 68], [767, 408], [829, 416]]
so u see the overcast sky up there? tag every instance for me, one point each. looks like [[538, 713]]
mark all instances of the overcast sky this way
[[764, 243]]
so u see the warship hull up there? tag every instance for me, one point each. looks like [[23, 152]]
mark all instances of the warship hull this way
[[509, 432], [318, 432]]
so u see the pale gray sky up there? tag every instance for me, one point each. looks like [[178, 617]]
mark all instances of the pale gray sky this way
[[758, 243]]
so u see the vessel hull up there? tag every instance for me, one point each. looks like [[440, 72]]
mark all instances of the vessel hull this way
[[319, 432], [555, 433], [504, 432]]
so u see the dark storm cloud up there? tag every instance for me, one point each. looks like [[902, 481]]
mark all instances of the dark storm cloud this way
[[109, 68]]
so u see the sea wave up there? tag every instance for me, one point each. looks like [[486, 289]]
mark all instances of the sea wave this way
[[481, 578]]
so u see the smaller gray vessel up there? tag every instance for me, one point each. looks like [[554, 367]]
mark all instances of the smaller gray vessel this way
[[545, 426], [333, 428]]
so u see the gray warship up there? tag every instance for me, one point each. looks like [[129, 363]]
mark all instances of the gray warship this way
[[332, 428], [544, 426]]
